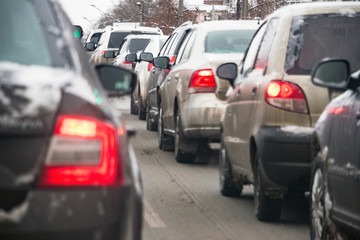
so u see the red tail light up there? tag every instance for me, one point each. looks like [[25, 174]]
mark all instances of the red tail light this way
[[287, 96], [202, 81], [103, 52], [172, 59], [150, 66], [83, 152]]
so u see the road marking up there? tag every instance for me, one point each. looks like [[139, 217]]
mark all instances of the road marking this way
[[151, 217]]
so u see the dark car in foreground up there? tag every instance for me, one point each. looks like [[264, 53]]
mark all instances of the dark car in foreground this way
[[335, 185], [67, 169]]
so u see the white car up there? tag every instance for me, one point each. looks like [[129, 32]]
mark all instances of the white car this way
[[112, 38], [143, 69]]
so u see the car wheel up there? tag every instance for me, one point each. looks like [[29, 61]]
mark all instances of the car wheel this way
[[151, 123], [142, 110], [165, 142], [180, 155], [321, 226], [266, 208], [227, 186], [133, 107]]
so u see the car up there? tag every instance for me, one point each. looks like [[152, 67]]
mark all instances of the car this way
[[143, 67], [269, 117], [335, 182], [94, 36], [131, 44], [157, 75], [67, 168], [111, 40], [192, 98]]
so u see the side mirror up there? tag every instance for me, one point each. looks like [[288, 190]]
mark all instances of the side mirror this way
[[109, 54], [227, 71], [90, 46], [132, 57], [78, 31], [332, 73], [117, 81], [146, 56], [162, 62]]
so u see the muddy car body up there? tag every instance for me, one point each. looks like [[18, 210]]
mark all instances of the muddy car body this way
[[268, 121], [192, 98]]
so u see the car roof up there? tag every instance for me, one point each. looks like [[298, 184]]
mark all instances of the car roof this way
[[228, 25], [137, 29], [142, 36], [289, 11]]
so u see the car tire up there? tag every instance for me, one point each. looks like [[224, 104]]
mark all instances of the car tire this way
[[165, 142], [180, 155], [321, 226], [227, 185], [133, 107], [151, 123], [266, 208], [142, 110]]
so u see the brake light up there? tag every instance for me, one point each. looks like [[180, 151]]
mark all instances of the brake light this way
[[83, 152], [287, 96], [103, 52], [202, 81], [336, 110], [127, 64], [172, 59], [150, 66]]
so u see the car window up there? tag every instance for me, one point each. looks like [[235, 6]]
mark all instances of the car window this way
[[95, 37], [116, 39], [186, 47], [230, 41], [266, 44], [253, 49], [165, 46], [176, 47], [167, 51], [33, 44], [136, 45], [318, 36]]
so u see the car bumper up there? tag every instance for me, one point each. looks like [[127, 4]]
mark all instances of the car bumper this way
[[201, 116], [73, 214], [285, 155]]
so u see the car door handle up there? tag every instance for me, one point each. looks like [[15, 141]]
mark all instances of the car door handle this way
[[358, 115], [253, 92]]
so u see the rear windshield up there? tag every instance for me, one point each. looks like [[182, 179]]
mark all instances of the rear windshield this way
[[136, 45], [116, 39], [315, 37], [232, 41]]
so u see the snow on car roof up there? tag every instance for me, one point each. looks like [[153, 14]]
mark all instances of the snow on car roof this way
[[344, 8]]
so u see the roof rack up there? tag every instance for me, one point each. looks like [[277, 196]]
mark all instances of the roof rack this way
[[186, 24]]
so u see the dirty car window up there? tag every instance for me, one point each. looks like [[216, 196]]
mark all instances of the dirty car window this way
[[315, 37], [232, 41]]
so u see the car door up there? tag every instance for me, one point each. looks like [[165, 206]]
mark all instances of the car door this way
[[343, 162], [236, 127], [171, 84]]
